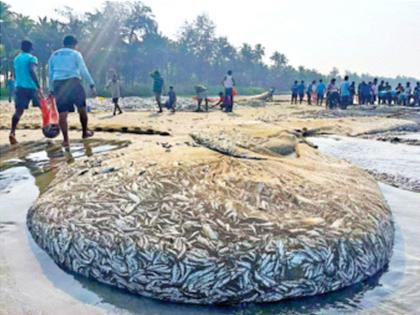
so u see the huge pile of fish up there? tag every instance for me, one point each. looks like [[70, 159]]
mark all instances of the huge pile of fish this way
[[217, 230]]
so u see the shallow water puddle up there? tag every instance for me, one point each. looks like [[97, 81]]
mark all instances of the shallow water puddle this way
[[43, 158], [394, 163]]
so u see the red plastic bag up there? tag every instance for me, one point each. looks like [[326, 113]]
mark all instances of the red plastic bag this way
[[50, 127]]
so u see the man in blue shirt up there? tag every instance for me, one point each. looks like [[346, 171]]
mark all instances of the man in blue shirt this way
[[27, 85], [417, 94], [171, 102], [320, 91], [364, 93], [158, 83], [295, 92], [388, 93], [301, 91], [369, 96], [381, 92], [345, 93], [66, 69]]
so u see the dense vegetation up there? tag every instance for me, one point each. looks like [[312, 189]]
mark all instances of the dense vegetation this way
[[125, 36]]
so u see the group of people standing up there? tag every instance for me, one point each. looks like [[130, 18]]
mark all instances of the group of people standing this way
[[226, 98], [345, 94]]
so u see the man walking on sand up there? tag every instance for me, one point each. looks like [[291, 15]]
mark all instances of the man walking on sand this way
[[66, 69], [27, 85], [115, 87], [158, 83]]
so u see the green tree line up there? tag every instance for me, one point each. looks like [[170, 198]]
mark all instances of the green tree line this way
[[125, 36]]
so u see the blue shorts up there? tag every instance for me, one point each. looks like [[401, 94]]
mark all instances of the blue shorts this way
[[23, 96]]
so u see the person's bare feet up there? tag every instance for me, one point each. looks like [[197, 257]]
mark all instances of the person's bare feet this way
[[88, 134], [12, 139]]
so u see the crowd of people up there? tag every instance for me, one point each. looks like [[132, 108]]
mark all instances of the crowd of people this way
[[66, 70], [345, 94]]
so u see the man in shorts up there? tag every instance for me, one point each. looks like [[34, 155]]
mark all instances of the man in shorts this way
[[66, 70], [27, 85]]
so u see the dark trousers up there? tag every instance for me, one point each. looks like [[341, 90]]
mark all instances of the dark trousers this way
[[389, 98], [228, 100], [116, 105], [381, 99], [373, 99], [333, 99], [364, 99], [320, 99], [344, 102], [301, 96], [294, 98], [309, 98]]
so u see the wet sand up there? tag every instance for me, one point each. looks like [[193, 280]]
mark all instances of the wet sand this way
[[25, 288]]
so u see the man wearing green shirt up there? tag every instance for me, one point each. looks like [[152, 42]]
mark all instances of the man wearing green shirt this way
[[157, 88]]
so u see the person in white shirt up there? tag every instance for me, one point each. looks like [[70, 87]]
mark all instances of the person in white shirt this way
[[66, 68], [229, 83], [115, 87]]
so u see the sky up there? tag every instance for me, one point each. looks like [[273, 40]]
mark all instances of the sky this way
[[380, 37]]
